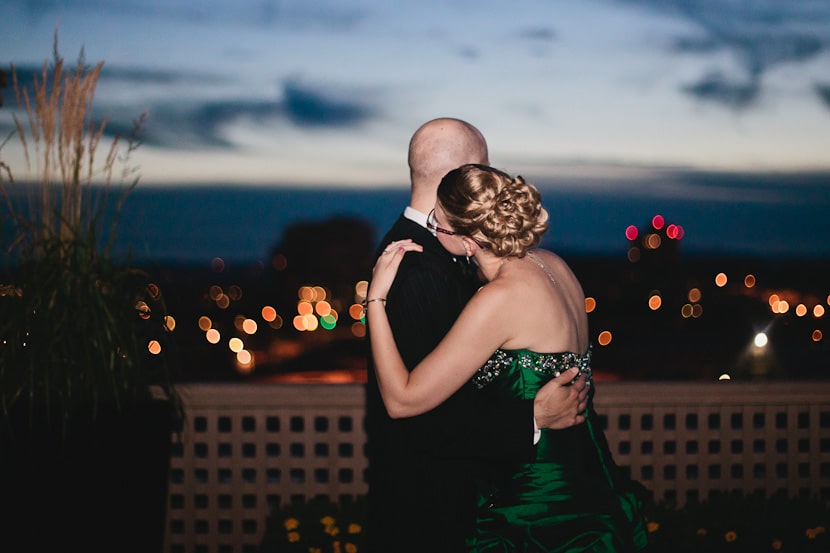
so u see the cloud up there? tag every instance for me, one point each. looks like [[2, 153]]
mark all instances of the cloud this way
[[203, 125], [761, 35], [823, 91], [264, 13], [541, 34], [306, 107], [189, 123], [717, 88]]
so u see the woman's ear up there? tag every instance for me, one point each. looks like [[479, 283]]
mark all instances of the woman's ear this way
[[470, 247]]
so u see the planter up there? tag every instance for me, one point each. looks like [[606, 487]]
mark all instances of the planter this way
[[100, 485]]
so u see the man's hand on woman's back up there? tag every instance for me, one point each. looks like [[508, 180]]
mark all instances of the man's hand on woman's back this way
[[561, 403]]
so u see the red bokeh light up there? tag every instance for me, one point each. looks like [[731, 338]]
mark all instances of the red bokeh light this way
[[631, 232], [657, 222]]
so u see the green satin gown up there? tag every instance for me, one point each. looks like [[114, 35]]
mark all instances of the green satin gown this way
[[573, 497]]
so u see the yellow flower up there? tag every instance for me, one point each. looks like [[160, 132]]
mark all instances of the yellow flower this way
[[293, 537], [327, 521], [351, 548], [354, 528], [777, 544], [291, 523], [653, 526], [701, 532], [730, 536], [332, 530]]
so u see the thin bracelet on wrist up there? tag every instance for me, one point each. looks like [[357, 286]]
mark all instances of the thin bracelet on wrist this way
[[367, 302]]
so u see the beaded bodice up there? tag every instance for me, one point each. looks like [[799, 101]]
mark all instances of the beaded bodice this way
[[544, 364]]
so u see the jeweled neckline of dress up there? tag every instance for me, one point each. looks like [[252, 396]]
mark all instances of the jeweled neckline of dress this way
[[551, 364]]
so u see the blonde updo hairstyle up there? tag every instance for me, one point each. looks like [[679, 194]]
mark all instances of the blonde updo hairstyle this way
[[501, 213]]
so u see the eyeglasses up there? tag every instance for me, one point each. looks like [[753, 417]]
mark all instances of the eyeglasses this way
[[432, 225]]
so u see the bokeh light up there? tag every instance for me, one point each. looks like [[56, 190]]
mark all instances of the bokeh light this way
[[356, 311], [205, 323], [657, 222], [269, 314], [244, 357], [590, 304], [235, 345], [818, 311], [361, 288], [800, 310], [306, 293], [694, 295], [359, 329], [279, 262], [760, 340], [169, 323], [328, 321], [249, 326], [817, 335], [749, 281], [154, 347], [655, 301], [604, 338], [310, 322], [143, 310], [631, 232], [213, 336], [299, 323], [276, 324], [720, 280], [652, 241], [153, 291]]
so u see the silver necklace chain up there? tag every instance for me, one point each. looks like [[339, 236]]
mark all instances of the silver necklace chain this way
[[541, 266]]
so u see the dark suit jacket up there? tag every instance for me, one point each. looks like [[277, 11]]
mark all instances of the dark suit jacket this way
[[422, 470]]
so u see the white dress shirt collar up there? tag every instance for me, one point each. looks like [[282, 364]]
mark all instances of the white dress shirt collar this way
[[415, 216]]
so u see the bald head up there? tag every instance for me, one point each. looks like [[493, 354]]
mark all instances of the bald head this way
[[435, 149]]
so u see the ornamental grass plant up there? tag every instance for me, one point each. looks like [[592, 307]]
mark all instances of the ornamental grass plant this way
[[79, 326], [733, 523], [317, 526], [740, 523]]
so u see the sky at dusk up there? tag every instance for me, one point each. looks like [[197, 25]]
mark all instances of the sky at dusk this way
[[720, 105]]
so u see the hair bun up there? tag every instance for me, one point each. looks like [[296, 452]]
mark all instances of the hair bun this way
[[502, 213]]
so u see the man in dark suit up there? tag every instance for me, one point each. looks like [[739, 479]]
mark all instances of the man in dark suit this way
[[422, 470]]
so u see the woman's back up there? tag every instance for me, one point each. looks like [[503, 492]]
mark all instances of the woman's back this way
[[549, 305]]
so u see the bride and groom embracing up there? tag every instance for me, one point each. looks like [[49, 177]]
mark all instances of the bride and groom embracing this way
[[481, 429]]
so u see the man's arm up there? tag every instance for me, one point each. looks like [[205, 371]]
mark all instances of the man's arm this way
[[422, 306]]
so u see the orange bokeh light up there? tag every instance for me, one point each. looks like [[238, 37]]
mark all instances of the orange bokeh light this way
[[269, 314], [590, 304], [604, 338]]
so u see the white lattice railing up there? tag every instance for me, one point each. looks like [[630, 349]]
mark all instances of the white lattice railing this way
[[247, 448]]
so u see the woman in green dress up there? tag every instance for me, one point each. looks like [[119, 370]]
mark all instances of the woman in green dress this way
[[525, 325]]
